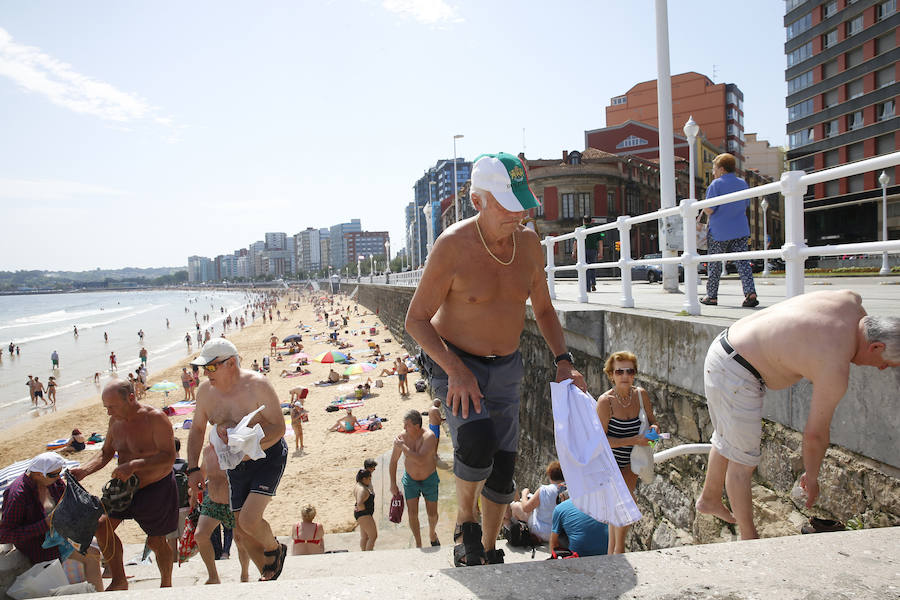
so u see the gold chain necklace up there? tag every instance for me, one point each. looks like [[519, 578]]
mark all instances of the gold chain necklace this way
[[512, 258], [619, 398]]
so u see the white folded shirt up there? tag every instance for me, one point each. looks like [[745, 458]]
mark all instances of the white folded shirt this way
[[242, 441]]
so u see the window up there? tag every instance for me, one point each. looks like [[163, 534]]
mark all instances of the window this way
[[798, 111], [799, 55], [832, 188], [731, 98], [807, 163], [584, 204], [829, 69], [800, 82], [790, 5], [884, 144], [886, 110], [884, 43], [829, 39], [733, 130], [832, 158], [886, 9], [832, 128], [611, 204], [854, 120], [829, 9], [830, 98], [567, 206], [619, 100], [855, 183], [799, 26], [854, 57], [733, 147], [884, 77], [631, 141], [802, 137], [632, 202], [567, 247], [539, 210], [855, 89], [855, 152], [854, 25]]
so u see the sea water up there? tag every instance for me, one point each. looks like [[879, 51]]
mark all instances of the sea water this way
[[40, 324]]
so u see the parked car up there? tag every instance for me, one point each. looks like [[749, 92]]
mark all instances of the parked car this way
[[652, 273]]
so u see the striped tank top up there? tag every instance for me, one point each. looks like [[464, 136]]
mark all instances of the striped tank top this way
[[623, 428]]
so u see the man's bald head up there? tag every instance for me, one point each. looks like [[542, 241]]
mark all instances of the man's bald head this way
[[121, 387]]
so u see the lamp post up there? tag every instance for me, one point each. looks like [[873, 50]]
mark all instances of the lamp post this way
[[359, 259], [387, 256], [764, 205], [884, 180], [691, 279], [458, 136], [417, 236], [372, 265]]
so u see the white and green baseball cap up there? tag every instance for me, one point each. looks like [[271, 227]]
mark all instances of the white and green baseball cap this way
[[503, 175]]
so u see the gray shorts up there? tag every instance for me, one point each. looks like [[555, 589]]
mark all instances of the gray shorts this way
[[500, 380], [734, 397]]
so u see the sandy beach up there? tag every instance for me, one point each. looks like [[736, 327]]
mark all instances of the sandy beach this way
[[322, 474]]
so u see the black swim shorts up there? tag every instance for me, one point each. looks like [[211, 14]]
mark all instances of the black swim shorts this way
[[257, 476]]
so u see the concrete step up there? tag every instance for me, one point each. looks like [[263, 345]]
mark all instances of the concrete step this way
[[850, 564]]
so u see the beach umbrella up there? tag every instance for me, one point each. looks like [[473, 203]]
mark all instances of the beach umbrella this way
[[163, 386], [358, 368], [292, 338], [331, 356]]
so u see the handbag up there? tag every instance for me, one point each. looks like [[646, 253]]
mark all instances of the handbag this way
[[37, 581], [395, 514], [642, 456], [77, 514], [702, 232], [187, 545]]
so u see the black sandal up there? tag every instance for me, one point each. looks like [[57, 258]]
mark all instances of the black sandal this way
[[709, 301], [276, 566], [471, 552], [494, 557]]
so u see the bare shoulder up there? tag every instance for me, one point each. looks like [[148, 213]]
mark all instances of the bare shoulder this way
[[152, 413], [256, 382]]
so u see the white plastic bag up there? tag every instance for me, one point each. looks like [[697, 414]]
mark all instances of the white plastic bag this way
[[642, 456], [242, 440], [38, 581]]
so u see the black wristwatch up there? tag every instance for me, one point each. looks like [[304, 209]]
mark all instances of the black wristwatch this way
[[564, 356], [192, 470]]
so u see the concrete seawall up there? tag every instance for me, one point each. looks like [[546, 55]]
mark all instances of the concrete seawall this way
[[859, 479]]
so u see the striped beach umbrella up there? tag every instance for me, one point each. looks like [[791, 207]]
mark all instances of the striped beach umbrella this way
[[331, 356], [359, 368]]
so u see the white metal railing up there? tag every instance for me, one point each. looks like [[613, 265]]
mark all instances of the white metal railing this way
[[792, 186], [404, 279]]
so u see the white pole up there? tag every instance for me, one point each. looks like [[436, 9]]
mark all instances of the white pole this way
[[793, 192], [691, 301], [765, 208], [417, 237], [456, 206], [884, 180], [666, 137]]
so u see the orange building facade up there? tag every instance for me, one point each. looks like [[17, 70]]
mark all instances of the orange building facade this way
[[717, 107]]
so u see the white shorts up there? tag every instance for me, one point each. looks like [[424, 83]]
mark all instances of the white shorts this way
[[735, 399]]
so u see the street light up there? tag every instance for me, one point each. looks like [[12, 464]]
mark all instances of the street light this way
[[458, 136], [884, 180], [387, 255], [764, 205], [691, 279]]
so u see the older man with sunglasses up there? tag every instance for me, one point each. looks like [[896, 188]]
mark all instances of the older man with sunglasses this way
[[228, 396]]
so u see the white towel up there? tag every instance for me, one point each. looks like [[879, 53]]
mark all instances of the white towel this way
[[242, 441], [595, 482]]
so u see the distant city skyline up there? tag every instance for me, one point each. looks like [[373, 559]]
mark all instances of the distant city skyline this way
[[124, 151]]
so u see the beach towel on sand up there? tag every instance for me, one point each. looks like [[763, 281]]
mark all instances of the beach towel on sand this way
[[593, 478], [242, 440]]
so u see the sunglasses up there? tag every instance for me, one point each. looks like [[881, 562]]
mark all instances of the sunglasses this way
[[52, 475], [211, 368], [625, 371]]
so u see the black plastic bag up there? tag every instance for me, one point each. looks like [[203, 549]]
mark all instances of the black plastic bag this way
[[77, 514]]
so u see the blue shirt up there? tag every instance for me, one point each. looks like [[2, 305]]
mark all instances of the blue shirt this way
[[728, 221], [587, 536]]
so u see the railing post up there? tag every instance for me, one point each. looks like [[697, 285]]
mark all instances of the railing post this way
[[551, 273], [691, 302], [794, 240], [625, 256], [580, 265]]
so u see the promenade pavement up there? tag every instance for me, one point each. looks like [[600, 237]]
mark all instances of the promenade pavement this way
[[881, 295]]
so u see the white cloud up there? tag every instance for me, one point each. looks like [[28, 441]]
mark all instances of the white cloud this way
[[40, 73], [24, 189], [430, 12]]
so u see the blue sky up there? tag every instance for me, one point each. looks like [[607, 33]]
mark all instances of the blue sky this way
[[138, 133]]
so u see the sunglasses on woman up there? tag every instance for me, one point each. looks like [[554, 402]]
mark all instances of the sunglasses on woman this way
[[625, 371]]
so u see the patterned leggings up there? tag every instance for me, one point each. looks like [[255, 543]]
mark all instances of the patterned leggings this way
[[714, 269]]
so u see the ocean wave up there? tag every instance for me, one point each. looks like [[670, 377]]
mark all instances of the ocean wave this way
[[57, 316], [84, 327]]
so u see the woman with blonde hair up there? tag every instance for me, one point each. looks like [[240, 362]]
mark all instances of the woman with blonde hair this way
[[619, 411], [309, 537]]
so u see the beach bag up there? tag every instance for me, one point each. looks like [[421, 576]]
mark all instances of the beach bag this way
[[420, 385], [37, 581], [187, 545], [518, 535], [642, 456], [77, 514], [702, 232], [395, 513]]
